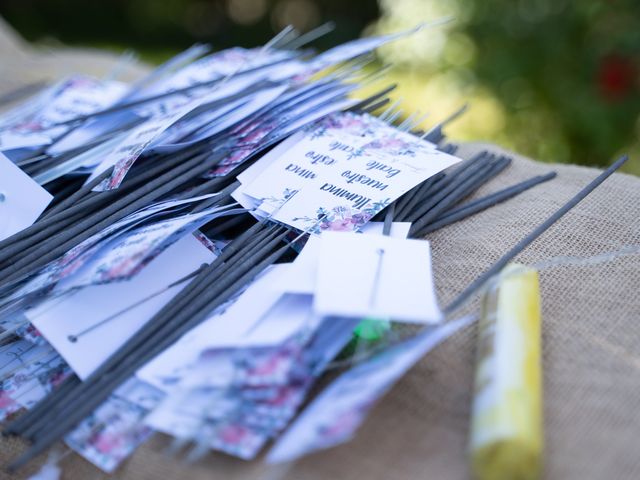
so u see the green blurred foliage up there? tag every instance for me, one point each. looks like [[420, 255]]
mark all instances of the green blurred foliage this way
[[558, 80], [564, 70], [158, 28]]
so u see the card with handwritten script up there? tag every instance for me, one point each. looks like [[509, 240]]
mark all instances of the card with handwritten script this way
[[339, 178]]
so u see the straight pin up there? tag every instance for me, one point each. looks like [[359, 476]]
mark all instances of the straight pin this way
[[73, 338]]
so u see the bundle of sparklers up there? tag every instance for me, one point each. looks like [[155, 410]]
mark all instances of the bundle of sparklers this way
[[190, 253]]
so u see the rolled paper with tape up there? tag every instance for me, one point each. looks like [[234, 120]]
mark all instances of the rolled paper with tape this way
[[506, 427]]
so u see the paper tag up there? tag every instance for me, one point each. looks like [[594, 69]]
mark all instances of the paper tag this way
[[58, 319], [124, 155], [303, 273], [334, 416], [78, 257], [375, 276], [340, 176], [123, 257], [115, 429], [264, 388], [68, 99], [28, 372], [22, 200], [227, 327], [250, 174]]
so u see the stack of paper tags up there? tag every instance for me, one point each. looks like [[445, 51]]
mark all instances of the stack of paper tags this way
[[192, 252]]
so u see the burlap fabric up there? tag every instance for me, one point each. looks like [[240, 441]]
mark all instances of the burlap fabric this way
[[591, 353]]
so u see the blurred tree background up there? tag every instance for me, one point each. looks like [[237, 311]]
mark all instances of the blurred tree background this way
[[557, 80]]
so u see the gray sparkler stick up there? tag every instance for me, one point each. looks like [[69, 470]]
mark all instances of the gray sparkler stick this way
[[459, 191], [448, 184], [74, 409], [73, 236], [476, 206], [479, 282], [165, 317]]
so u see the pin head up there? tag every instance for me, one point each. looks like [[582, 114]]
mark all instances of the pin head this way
[[372, 329]]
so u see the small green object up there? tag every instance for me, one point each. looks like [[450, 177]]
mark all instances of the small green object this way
[[372, 328]]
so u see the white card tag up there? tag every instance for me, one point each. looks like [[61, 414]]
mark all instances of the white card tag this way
[[375, 276], [301, 276], [21, 199], [57, 320], [230, 326]]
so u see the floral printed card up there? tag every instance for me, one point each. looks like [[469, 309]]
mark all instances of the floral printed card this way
[[115, 429], [336, 414], [360, 127], [339, 176], [375, 276], [124, 257], [226, 327], [240, 416], [69, 264], [260, 366], [68, 99], [28, 372], [127, 152], [78, 95], [264, 389]]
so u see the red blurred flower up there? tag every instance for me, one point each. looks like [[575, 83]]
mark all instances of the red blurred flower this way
[[616, 77]]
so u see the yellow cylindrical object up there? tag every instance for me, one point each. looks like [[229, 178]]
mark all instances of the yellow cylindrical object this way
[[506, 428]]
